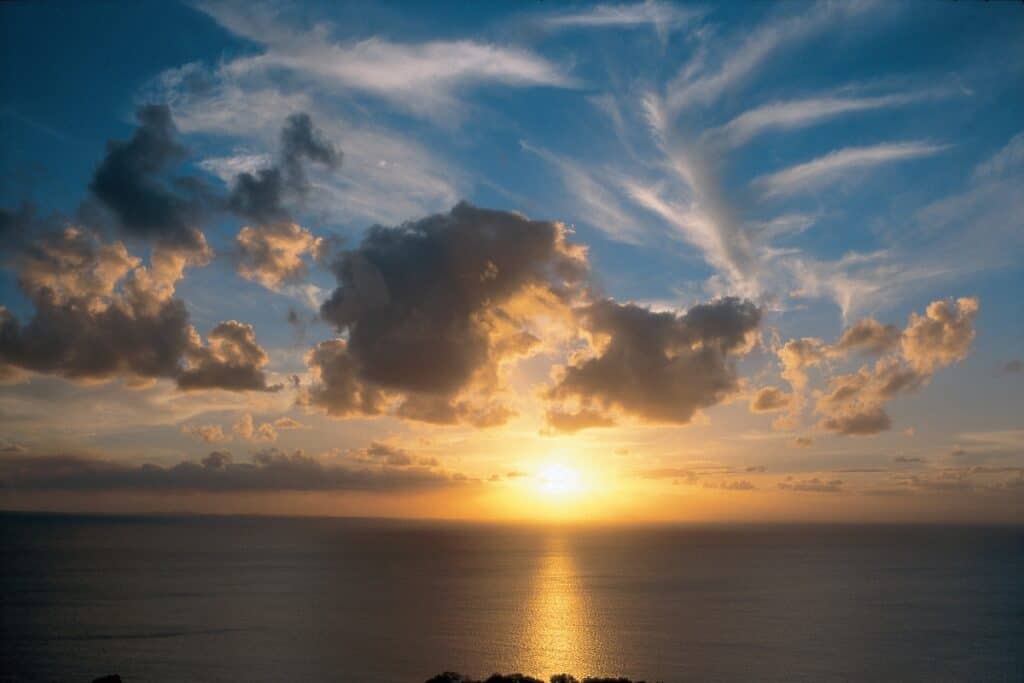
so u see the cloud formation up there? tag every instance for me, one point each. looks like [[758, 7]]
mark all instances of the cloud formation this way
[[853, 403], [270, 470], [657, 367], [100, 313], [132, 181], [434, 307]]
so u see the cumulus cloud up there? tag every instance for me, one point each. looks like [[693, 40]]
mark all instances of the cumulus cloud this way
[[941, 336], [868, 336], [853, 403], [270, 470], [207, 433], [432, 309], [769, 400], [247, 429], [133, 182], [230, 360], [658, 367]]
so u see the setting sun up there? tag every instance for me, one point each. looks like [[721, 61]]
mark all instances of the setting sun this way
[[558, 480]]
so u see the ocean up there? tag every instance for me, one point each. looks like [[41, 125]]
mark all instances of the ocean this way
[[276, 599]]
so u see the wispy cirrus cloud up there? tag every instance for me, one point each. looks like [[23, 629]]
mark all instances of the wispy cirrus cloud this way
[[794, 114], [421, 78], [829, 168], [704, 79], [663, 17]]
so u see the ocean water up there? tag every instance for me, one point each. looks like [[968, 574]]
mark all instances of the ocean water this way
[[251, 599]]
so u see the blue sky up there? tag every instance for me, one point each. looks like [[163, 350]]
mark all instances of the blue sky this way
[[828, 162]]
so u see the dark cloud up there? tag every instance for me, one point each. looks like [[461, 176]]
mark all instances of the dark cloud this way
[[433, 307], [260, 196], [659, 367], [99, 313], [813, 485], [133, 182], [860, 421], [270, 470], [803, 442], [908, 460]]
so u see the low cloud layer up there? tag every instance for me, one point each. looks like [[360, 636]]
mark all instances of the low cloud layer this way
[[269, 470]]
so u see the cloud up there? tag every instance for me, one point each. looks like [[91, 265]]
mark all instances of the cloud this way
[[207, 433], [593, 199], [286, 423], [853, 403], [433, 308], [769, 400], [730, 485], [1007, 159], [132, 182], [270, 470], [1013, 367], [704, 79], [272, 255], [247, 429], [829, 168], [793, 114], [422, 78], [868, 336], [231, 360], [658, 367], [564, 422], [663, 17], [803, 442], [98, 313], [812, 485], [259, 195], [941, 336]]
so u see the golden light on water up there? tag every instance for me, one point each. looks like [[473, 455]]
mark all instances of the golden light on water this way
[[561, 635]]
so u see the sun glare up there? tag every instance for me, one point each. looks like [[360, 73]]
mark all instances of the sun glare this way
[[559, 481]]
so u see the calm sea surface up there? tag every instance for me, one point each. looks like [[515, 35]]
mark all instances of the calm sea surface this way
[[248, 599]]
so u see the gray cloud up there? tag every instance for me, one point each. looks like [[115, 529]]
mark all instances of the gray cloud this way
[[433, 307], [1013, 367], [270, 470], [812, 485], [659, 367], [132, 182], [99, 313]]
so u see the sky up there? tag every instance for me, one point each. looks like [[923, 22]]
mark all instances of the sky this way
[[522, 261]]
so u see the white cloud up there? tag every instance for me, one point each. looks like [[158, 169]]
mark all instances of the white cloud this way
[[829, 168], [593, 200], [793, 114], [699, 83], [422, 78], [664, 17]]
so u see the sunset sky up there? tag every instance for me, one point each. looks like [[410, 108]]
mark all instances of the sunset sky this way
[[531, 261]]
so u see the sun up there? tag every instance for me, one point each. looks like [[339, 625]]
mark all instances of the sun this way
[[559, 481]]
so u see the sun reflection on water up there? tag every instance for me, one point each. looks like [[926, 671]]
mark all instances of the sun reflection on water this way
[[560, 627]]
